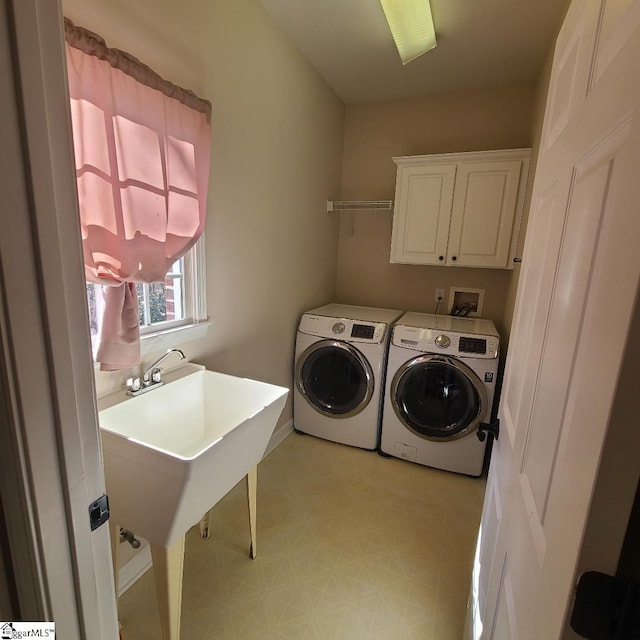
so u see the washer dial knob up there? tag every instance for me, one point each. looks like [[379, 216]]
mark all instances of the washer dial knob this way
[[443, 341], [338, 327]]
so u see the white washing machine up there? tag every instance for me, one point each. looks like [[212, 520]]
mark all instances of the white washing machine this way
[[339, 373], [441, 376]]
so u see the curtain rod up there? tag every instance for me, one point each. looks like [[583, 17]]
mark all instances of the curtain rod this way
[[94, 45]]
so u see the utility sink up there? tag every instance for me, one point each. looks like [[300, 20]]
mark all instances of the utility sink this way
[[174, 452]]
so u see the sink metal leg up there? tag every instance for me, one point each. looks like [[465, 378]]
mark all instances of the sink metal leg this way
[[252, 485], [168, 565]]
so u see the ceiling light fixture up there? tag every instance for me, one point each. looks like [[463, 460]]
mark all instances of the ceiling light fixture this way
[[411, 26]]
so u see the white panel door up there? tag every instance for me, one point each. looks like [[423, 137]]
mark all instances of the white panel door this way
[[424, 197], [580, 277], [484, 209]]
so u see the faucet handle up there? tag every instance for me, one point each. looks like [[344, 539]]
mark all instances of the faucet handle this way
[[152, 376], [134, 384]]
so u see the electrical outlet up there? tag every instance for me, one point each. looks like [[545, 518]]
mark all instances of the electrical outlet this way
[[439, 295]]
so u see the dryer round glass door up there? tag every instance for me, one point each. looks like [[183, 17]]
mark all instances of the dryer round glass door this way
[[335, 378], [438, 398]]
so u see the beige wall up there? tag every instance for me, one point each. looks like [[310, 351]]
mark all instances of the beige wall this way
[[277, 152], [374, 133]]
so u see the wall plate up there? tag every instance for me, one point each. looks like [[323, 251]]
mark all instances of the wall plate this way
[[460, 296]]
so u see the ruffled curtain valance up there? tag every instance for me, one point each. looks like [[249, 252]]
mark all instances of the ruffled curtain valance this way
[[142, 150]]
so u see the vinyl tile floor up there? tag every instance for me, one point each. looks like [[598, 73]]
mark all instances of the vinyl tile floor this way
[[350, 545]]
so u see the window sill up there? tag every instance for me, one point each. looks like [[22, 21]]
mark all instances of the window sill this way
[[173, 337], [109, 381]]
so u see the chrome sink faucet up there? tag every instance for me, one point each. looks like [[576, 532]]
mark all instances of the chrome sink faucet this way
[[152, 376]]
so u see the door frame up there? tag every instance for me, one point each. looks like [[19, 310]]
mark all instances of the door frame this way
[[50, 453]]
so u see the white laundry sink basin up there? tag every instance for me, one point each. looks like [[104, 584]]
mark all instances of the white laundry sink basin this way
[[174, 452]]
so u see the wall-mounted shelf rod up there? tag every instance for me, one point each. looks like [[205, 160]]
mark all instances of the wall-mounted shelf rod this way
[[350, 205]]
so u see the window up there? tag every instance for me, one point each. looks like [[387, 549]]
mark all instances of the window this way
[[176, 304], [142, 148]]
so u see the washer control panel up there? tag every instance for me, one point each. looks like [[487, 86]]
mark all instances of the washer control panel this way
[[343, 328], [446, 342]]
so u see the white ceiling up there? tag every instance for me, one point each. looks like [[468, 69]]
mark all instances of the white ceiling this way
[[481, 43]]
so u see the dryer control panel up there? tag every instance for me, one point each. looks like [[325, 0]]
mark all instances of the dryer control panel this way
[[343, 329], [446, 342]]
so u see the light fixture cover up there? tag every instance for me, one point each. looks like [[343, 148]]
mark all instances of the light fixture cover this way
[[411, 26]]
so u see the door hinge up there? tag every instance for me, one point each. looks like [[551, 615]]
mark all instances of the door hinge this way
[[491, 429], [99, 512], [606, 608]]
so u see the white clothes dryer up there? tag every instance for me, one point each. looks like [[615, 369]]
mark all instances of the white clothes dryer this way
[[339, 373], [441, 376]]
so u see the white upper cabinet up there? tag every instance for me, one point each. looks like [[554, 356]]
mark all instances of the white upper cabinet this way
[[459, 209]]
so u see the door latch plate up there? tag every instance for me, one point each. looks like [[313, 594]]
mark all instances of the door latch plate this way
[[99, 512], [491, 429]]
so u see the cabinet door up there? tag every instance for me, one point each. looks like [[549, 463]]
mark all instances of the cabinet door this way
[[424, 195], [485, 205]]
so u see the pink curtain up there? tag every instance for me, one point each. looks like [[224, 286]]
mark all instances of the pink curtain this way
[[142, 162]]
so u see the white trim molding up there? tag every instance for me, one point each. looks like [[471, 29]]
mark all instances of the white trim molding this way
[[50, 460]]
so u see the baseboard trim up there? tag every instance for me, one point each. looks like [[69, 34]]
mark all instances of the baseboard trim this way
[[135, 568], [279, 436]]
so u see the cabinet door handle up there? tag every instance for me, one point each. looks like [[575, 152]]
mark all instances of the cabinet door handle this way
[[454, 258], [440, 257]]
